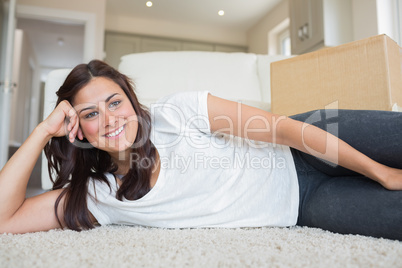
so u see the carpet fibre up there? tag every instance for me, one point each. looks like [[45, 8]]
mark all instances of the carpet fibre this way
[[124, 246]]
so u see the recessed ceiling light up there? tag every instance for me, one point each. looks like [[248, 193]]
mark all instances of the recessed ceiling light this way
[[60, 41], [221, 12], [149, 4]]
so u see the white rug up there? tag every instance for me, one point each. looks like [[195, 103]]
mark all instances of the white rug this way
[[123, 246]]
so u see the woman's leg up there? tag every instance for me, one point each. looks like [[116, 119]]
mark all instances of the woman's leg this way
[[339, 200], [377, 134]]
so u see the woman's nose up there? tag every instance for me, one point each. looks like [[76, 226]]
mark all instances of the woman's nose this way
[[109, 119]]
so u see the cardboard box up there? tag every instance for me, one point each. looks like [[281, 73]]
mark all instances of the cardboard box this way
[[361, 75]]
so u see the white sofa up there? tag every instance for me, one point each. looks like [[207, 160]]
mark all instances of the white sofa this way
[[243, 77]]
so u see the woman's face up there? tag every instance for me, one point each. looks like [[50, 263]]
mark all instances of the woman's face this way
[[107, 118]]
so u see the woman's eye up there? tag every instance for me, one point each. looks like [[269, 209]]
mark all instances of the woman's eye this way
[[114, 104], [90, 115]]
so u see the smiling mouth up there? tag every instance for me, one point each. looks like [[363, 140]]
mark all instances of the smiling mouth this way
[[115, 133]]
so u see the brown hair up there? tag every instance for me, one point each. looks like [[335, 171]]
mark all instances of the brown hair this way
[[75, 165]]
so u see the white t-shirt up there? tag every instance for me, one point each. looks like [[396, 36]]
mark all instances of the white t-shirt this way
[[205, 180]]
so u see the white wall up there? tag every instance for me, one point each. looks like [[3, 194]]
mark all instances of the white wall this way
[[257, 36], [174, 30], [1, 24], [373, 17], [23, 74], [370, 17], [387, 18], [364, 18]]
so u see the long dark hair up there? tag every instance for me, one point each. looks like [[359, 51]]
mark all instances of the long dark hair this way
[[74, 165]]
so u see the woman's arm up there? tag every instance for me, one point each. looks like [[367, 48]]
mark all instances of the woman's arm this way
[[255, 124], [17, 214]]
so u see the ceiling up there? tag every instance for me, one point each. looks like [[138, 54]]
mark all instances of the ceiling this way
[[44, 35], [52, 40], [239, 14], [56, 45]]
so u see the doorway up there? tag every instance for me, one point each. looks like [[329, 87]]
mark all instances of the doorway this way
[[14, 13], [40, 47], [48, 45], [87, 23], [45, 44]]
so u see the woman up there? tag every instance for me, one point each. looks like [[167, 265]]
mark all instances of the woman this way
[[176, 168]]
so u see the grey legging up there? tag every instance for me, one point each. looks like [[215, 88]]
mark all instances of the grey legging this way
[[339, 200]]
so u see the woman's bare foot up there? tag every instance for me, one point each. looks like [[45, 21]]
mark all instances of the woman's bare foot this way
[[391, 178]]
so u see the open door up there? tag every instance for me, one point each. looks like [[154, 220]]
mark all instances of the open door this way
[[7, 28]]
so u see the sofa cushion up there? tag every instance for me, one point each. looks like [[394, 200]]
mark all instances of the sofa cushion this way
[[228, 75], [264, 74], [54, 81]]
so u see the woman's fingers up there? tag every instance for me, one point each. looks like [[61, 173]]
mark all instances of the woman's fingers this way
[[63, 121], [74, 131], [80, 134], [73, 124]]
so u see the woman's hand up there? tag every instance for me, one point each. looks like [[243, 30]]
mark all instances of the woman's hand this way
[[17, 214], [251, 123], [63, 121]]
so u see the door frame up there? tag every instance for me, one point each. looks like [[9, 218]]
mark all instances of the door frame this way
[[88, 20], [75, 17], [65, 16], [6, 83]]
